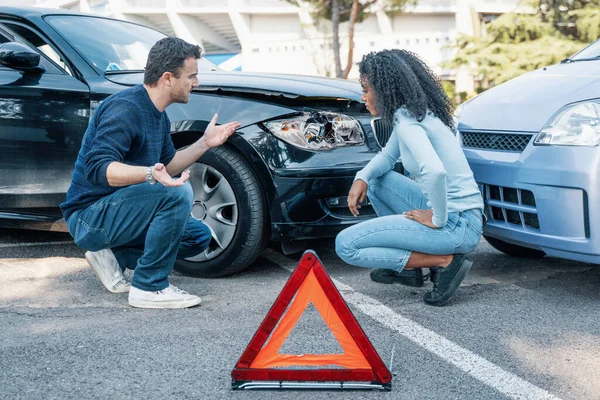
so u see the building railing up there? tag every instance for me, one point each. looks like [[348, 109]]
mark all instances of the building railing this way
[[267, 3], [145, 3], [175, 3], [203, 3]]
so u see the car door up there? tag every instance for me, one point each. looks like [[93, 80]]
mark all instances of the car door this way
[[43, 117]]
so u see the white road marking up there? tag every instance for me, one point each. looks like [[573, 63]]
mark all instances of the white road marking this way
[[474, 365], [478, 367], [8, 245]]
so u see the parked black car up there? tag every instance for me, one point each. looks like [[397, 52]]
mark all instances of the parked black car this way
[[283, 176]]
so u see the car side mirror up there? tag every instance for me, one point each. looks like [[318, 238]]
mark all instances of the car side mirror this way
[[20, 57]]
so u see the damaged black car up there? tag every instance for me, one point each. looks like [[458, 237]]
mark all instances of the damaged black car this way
[[283, 177]]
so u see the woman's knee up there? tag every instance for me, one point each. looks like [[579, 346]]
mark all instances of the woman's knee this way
[[343, 246], [376, 184], [392, 179], [372, 191]]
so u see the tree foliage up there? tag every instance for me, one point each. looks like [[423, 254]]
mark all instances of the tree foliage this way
[[353, 12], [515, 43]]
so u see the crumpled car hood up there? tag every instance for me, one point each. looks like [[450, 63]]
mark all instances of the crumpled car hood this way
[[526, 103], [263, 83]]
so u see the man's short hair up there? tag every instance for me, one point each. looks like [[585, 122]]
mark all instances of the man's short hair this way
[[168, 55]]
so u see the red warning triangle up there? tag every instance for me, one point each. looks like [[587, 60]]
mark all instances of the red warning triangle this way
[[310, 283]]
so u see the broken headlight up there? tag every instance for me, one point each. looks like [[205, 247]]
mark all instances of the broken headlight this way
[[317, 130]]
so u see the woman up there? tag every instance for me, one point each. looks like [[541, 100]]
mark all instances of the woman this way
[[431, 220]]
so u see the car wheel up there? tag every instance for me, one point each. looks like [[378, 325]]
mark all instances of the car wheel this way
[[514, 250], [228, 198]]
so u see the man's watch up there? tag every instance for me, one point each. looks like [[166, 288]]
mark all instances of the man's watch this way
[[149, 178]]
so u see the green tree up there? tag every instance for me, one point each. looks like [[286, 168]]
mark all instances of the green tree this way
[[515, 43], [353, 12]]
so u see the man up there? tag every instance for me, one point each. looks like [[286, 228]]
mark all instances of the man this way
[[124, 205]]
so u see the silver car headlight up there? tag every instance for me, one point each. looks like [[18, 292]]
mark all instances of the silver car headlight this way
[[575, 125], [317, 130]]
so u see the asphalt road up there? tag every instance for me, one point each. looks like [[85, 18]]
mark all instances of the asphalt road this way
[[527, 329]]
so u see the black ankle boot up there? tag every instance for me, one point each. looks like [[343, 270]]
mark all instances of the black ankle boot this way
[[447, 280], [409, 277]]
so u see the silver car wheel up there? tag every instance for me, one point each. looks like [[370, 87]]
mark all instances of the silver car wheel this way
[[215, 205]]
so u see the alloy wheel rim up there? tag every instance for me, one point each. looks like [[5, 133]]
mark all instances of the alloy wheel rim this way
[[215, 204]]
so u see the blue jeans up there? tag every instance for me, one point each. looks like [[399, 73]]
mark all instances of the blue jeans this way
[[147, 227], [389, 240]]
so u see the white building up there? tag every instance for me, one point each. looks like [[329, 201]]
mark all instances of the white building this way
[[275, 36]]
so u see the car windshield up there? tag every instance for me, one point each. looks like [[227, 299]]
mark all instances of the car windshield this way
[[590, 52], [110, 45]]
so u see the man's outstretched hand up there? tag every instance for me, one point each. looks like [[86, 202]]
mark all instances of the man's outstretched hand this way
[[159, 172], [215, 136]]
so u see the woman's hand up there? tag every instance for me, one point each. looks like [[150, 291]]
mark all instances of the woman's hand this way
[[357, 194], [424, 217]]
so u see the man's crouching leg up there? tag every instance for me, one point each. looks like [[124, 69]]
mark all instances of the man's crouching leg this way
[[150, 287], [195, 240]]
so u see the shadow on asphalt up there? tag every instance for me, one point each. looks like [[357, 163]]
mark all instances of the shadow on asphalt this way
[[490, 265]]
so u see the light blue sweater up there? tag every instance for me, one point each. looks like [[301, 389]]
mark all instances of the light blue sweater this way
[[430, 152]]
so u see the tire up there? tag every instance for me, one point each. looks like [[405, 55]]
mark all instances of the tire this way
[[229, 199], [514, 250]]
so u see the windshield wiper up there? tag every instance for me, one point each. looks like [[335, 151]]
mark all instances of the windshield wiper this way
[[570, 60], [123, 71]]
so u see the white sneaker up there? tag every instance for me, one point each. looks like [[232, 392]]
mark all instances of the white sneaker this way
[[107, 269], [171, 297]]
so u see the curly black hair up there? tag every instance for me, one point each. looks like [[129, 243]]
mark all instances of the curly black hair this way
[[400, 78]]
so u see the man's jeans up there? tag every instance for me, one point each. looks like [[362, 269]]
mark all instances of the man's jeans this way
[[389, 240], [146, 226]]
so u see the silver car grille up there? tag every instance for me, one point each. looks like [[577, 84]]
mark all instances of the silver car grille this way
[[382, 130], [515, 142], [518, 207], [510, 205]]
